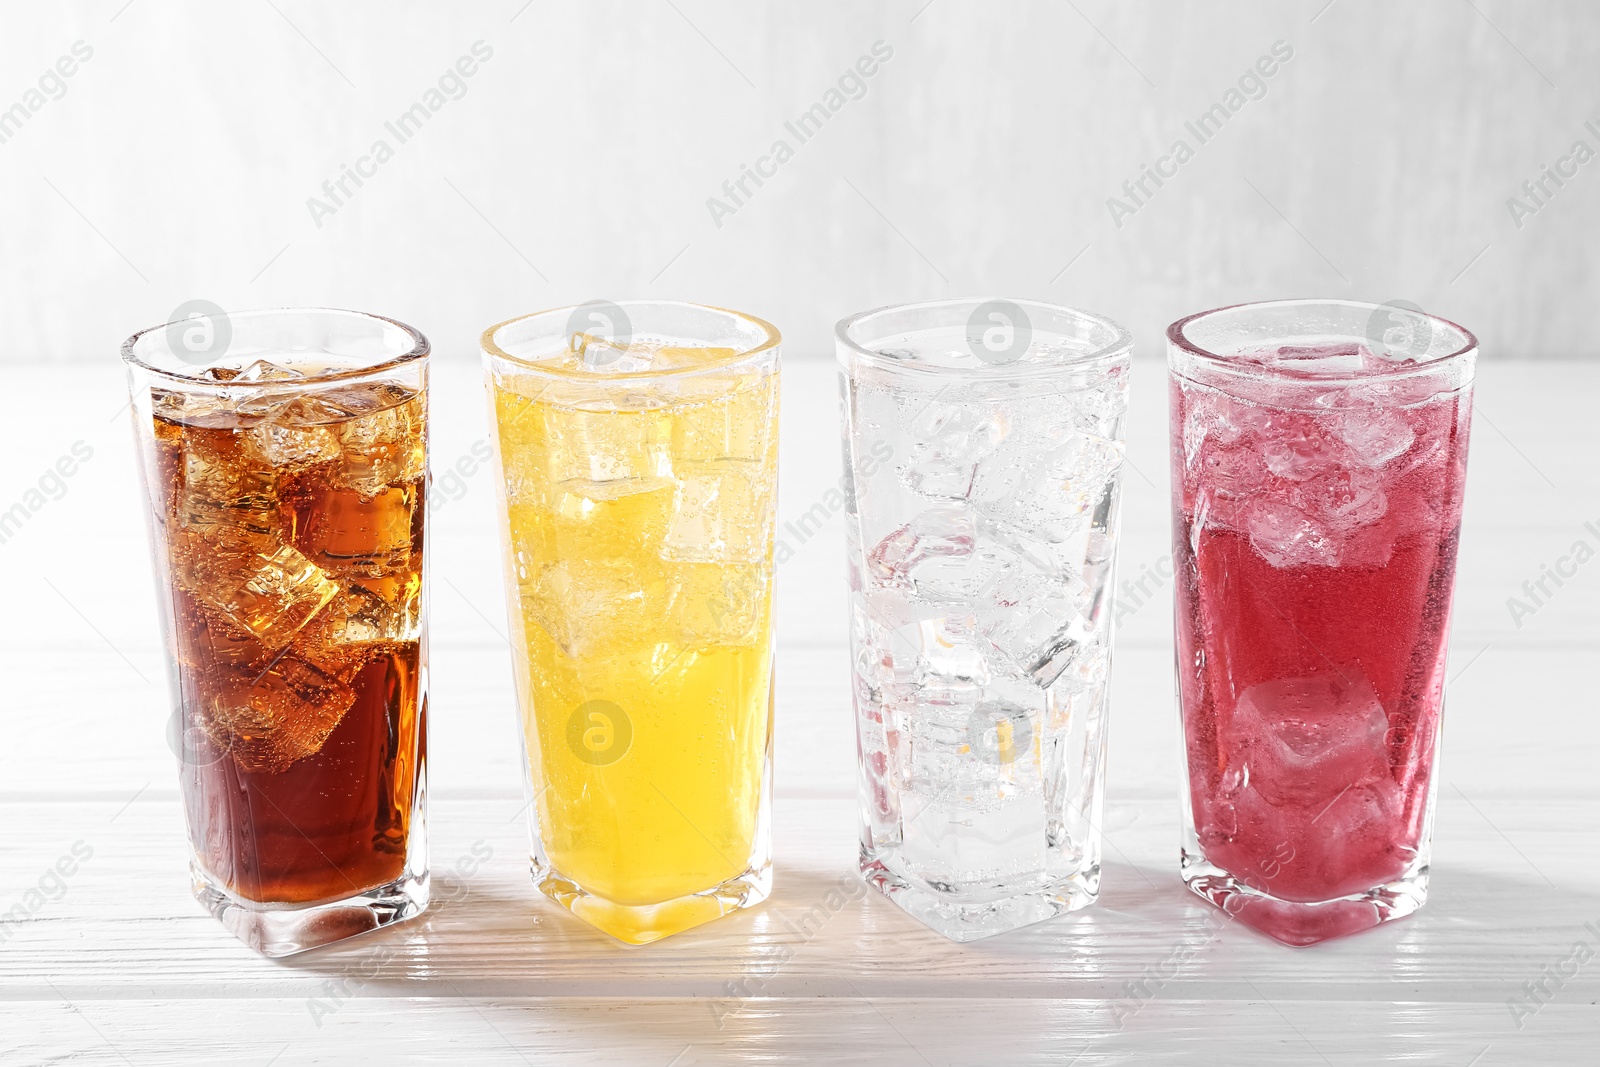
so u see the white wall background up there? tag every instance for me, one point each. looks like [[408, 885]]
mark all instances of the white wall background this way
[[1378, 164]]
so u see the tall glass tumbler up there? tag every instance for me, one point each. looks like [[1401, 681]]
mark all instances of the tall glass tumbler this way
[[1319, 452], [284, 456], [983, 443], [637, 446]]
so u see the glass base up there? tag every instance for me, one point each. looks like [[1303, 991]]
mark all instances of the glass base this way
[[1298, 923], [277, 930], [640, 924], [969, 915]]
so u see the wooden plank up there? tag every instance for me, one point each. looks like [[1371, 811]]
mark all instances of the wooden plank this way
[[857, 1028], [1512, 894]]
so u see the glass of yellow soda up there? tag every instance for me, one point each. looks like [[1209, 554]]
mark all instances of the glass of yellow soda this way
[[637, 449]]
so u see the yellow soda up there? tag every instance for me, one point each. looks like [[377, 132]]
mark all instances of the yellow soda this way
[[639, 514]]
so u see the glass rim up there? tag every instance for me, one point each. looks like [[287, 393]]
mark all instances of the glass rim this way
[[1230, 364], [771, 340], [1121, 343], [420, 349]]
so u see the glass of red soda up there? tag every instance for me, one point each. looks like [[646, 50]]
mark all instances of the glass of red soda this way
[[1319, 452]]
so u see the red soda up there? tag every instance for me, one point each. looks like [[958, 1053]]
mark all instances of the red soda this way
[[1317, 499]]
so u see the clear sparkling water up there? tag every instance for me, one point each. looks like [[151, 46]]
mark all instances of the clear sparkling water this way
[[980, 565]]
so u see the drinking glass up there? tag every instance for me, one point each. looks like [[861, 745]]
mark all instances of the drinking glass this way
[[1319, 451], [983, 445], [284, 456], [637, 447]]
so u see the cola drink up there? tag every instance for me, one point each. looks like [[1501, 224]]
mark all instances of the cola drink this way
[[287, 522]]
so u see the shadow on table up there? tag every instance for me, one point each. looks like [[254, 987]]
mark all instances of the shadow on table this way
[[826, 933], [828, 966]]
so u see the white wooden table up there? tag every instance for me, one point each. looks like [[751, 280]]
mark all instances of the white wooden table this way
[[117, 964]]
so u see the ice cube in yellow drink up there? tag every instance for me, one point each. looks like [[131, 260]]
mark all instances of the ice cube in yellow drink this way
[[639, 568]]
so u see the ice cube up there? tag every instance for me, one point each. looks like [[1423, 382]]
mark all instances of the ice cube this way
[[1229, 481], [587, 604], [951, 439], [357, 536], [282, 444], [1342, 500], [264, 370], [1015, 549], [223, 488], [934, 548], [1098, 410], [1374, 434], [1011, 587], [190, 409], [1307, 739], [1043, 632], [926, 745], [947, 657], [271, 595], [211, 640], [967, 839], [1002, 477], [1053, 492], [1236, 472], [295, 432], [271, 719], [361, 616], [722, 513], [733, 425], [1321, 361], [1359, 839], [383, 444], [604, 455], [1209, 416], [1285, 536], [525, 479], [891, 647], [1300, 447], [601, 356], [716, 604], [1034, 614], [945, 557], [521, 446], [1046, 418]]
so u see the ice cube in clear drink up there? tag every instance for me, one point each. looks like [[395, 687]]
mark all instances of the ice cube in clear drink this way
[[932, 556], [951, 439], [711, 605]]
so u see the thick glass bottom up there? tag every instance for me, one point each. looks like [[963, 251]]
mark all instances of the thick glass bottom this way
[[1301, 923], [640, 924], [972, 913], [277, 930]]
